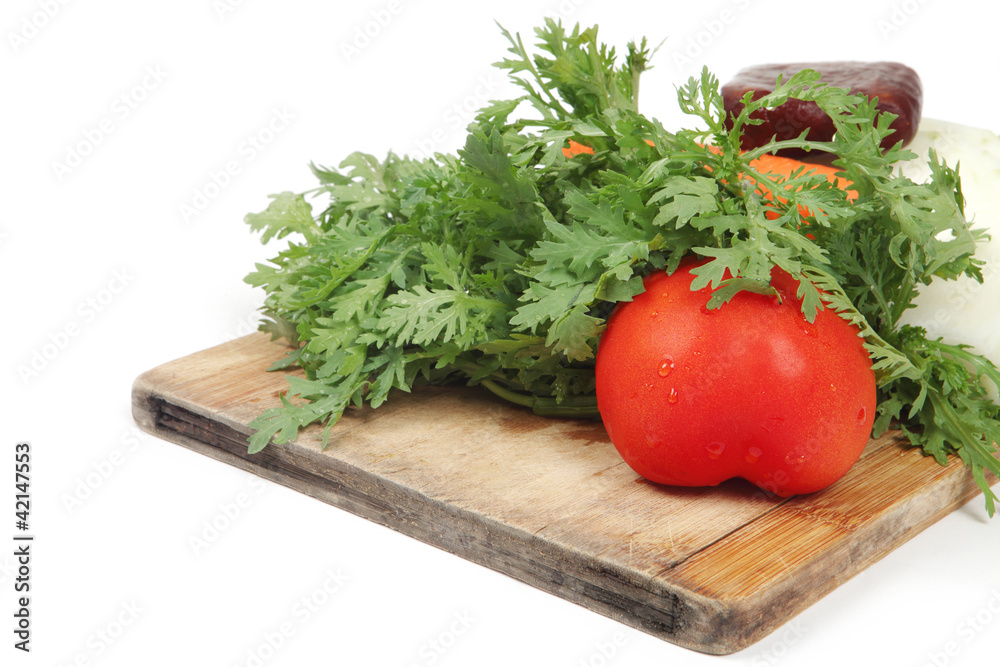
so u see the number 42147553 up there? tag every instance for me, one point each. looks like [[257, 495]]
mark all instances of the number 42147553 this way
[[22, 483]]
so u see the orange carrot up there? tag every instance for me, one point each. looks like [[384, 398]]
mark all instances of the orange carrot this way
[[783, 166], [766, 164], [576, 148]]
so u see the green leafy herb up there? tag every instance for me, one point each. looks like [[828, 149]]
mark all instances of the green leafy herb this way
[[497, 266]]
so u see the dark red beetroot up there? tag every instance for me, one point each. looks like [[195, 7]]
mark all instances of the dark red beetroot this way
[[897, 87]]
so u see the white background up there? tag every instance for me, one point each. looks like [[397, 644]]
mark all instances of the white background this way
[[102, 271]]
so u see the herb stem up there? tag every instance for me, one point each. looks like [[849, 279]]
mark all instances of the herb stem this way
[[776, 146], [578, 406]]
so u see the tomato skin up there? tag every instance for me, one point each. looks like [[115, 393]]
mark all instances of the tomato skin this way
[[693, 397]]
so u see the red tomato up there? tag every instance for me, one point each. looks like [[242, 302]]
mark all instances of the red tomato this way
[[693, 397]]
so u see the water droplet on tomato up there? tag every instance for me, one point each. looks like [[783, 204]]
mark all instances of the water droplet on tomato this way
[[862, 413], [655, 314], [666, 365], [753, 455], [715, 449], [672, 396], [795, 459]]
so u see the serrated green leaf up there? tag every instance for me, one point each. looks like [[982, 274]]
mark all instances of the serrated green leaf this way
[[286, 214]]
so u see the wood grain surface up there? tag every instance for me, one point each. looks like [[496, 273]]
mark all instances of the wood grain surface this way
[[550, 502]]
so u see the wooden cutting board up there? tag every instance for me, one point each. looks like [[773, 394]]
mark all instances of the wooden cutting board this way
[[550, 502]]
